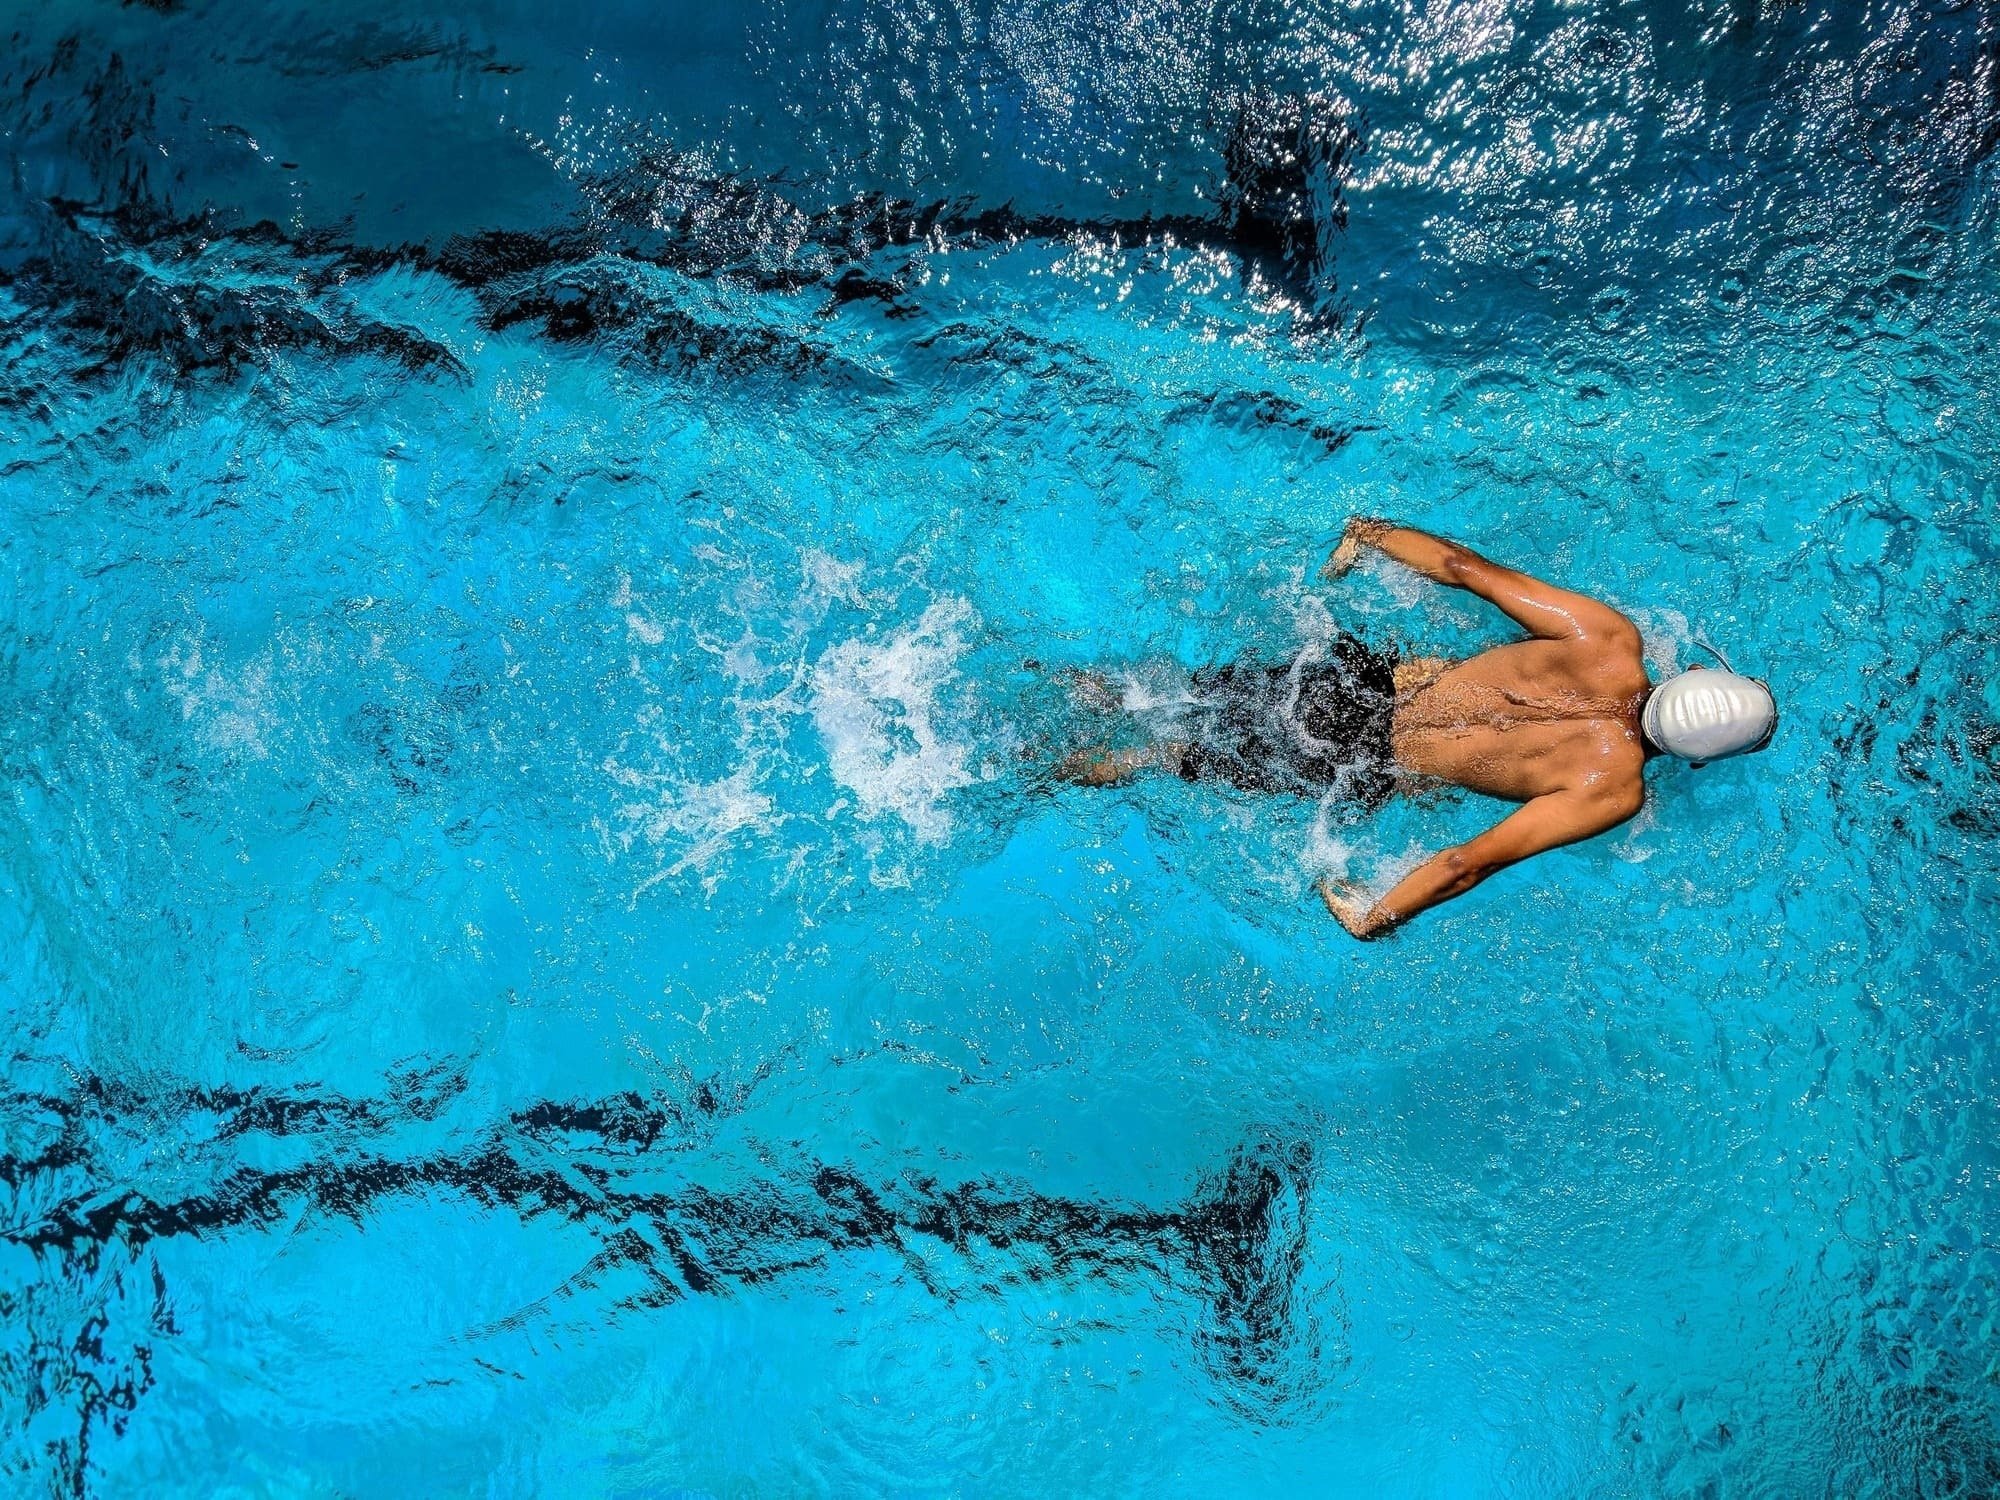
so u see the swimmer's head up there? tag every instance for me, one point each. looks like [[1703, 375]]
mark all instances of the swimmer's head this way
[[1705, 715]]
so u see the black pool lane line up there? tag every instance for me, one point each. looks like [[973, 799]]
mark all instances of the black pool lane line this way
[[1237, 1247]]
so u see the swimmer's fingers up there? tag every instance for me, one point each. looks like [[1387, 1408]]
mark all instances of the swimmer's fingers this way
[[1348, 903], [1100, 766], [1338, 894], [1360, 532], [1344, 557]]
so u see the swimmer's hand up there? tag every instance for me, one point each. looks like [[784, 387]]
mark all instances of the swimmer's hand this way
[[1350, 906], [1362, 531]]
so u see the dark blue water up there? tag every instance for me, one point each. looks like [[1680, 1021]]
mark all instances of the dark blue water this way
[[539, 954]]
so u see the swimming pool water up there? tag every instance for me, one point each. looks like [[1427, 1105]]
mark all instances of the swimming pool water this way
[[540, 956]]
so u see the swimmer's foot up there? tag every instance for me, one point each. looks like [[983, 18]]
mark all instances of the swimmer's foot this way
[[1102, 767], [1099, 767]]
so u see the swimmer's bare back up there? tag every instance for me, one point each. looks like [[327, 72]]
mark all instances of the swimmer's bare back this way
[[1551, 722]]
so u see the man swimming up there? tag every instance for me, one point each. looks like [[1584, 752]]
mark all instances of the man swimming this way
[[1562, 722]]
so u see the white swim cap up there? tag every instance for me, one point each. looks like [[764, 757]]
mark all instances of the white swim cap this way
[[1706, 715]]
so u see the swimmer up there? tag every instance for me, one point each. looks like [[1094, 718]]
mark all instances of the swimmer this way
[[1562, 723]]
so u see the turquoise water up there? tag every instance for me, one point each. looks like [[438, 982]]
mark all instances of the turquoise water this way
[[540, 957]]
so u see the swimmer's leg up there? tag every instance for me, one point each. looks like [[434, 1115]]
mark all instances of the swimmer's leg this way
[[1101, 767]]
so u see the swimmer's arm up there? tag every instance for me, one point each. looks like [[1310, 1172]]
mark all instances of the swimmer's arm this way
[[1548, 822], [1539, 608]]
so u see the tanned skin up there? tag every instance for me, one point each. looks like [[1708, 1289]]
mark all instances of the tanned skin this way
[[1551, 722]]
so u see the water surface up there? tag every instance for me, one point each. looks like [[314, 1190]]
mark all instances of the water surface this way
[[539, 953]]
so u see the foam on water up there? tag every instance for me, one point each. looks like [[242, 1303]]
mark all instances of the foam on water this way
[[877, 707], [692, 822], [1667, 637], [229, 711], [1326, 852]]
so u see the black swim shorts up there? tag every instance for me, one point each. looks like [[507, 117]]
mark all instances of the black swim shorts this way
[[1319, 724]]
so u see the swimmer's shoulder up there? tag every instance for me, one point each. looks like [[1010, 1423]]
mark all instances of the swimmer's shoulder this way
[[1611, 664], [1612, 778], [1599, 795]]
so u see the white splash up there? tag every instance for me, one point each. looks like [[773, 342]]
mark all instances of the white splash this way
[[1312, 620], [229, 711], [1633, 846], [695, 820], [826, 577], [875, 705], [1390, 869], [1326, 853], [1404, 584], [1667, 636], [1163, 694]]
